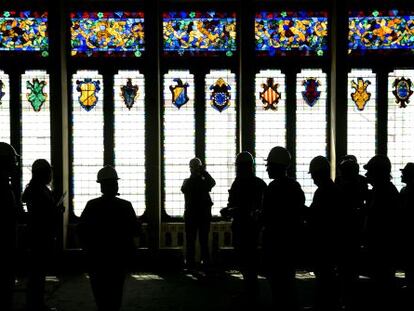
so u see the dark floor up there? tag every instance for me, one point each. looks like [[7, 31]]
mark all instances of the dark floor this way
[[172, 291]]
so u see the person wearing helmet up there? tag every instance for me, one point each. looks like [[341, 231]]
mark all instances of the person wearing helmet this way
[[407, 232], [326, 225], [381, 227], [283, 201], [43, 221], [245, 200], [108, 226], [197, 213], [355, 190], [8, 221]]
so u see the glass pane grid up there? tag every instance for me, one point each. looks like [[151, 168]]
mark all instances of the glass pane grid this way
[[400, 128], [35, 124], [87, 140], [270, 124], [311, 128], [179, 141], [221, 139], [362, 125], [4, 107], [130, 138]]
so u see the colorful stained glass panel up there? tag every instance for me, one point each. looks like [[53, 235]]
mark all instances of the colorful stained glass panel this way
[[107, 33], [24, 31], [198, 33], [286, 33], [370, 32]]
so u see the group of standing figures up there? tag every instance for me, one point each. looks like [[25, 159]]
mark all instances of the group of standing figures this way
[[346, 218], [349, 229]]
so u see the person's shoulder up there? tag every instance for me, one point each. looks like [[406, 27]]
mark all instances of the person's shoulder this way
[[123, 202], [260, 182]]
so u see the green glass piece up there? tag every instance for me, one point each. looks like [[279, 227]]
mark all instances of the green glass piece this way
[[37, 96]]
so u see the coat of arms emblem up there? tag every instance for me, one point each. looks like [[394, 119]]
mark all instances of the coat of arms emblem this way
[[88, 93], [270, 96], [129, 93], [361, 96], [220, 97], [1, 91], [402, 91], [36, 97], [179, 93], [311, 94]]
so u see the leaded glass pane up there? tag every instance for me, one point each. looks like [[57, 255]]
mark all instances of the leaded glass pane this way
[[400, 126], [270, 123], [220, 133], [311, 124], [4, 107], [35, 120], [362, 118], [179, 136], [87, 136], [129, 96]]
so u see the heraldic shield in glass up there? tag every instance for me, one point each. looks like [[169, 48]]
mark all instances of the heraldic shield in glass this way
[[311, 94], [179, 93], [402, 91], [270, 96], [36, 95], [88, 90], [1, 91], [129, 93], [360, 96], [220, 95]]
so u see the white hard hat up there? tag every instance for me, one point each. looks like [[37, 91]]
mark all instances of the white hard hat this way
[[244, 157], [319, 164], [279, 155], [107, 173]]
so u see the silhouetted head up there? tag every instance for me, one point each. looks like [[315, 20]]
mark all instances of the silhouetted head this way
[[320, 170], [195, 166], [41, 172], [244, 164], [8, 160], [278, 161], [349, 167], [407, 174], [378, 169], [108, 178]]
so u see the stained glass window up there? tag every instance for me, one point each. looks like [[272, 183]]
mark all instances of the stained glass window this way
[[87, 136], [129, 127], [24, 31], [362, 114], [270, 123], [4, 107], [381, 30], [107, 33], [221, 133], [287, 32], [400, 126], [35, 120], [179, 136], [311, 124], [198, 33]]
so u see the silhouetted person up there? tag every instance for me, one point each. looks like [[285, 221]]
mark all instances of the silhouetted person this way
[[282, 203], [43, 224], [381, 228], [8, 219], [327, 227], [107, 229], [355, 190], [245, 201], [197, 214], [407, 230]]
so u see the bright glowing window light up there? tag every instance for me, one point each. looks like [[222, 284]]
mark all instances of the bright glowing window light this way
[[270, 124], [221, 140], [400, 128], [130, 140], [362, 125], [35, 124], [4, 108], [179, 141], [88, 147], [311, 129]]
